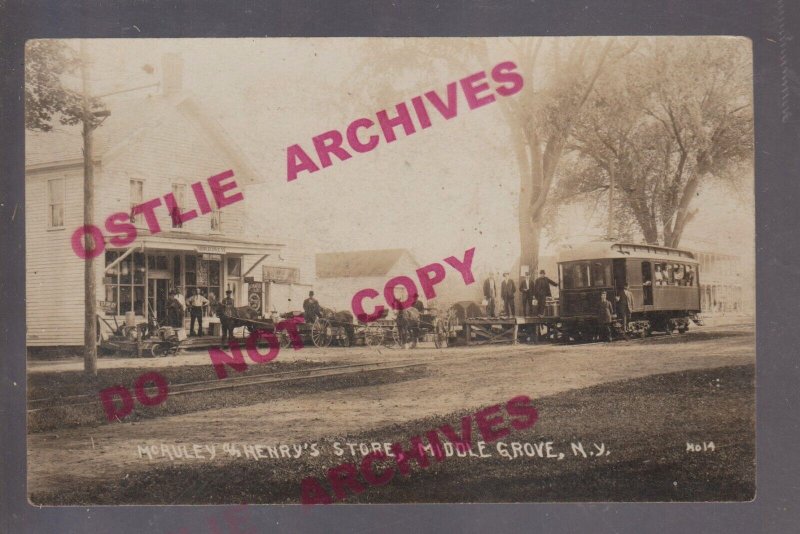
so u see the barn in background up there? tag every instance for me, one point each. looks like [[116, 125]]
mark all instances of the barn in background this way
[[340, 275]]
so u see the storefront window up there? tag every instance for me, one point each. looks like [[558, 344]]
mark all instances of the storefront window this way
[[124, 284], [204, 275], [191, 271], [176, 272], [235, 267], [157, 263]]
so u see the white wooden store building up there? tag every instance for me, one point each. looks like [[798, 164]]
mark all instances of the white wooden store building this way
[[147, 148]]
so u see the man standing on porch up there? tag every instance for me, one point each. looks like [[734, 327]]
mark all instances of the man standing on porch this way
[[196, 304]]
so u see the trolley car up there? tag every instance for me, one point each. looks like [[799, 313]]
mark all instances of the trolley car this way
[[664, 282]]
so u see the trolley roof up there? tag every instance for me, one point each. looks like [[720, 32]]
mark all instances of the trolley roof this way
[[611, 250]]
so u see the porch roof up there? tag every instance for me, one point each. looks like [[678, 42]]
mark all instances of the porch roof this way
[[212, 244]]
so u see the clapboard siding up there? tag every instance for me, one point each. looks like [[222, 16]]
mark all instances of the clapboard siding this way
[[176, 151], [54, 274]]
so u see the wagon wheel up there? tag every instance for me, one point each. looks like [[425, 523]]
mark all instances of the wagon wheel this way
[[342, 337], [160, 349], [440, 334], [321, 333], [373, 335]]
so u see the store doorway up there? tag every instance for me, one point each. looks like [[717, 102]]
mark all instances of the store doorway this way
[[157, 292]]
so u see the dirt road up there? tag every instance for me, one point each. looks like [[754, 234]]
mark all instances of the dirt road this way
[[457, 378]]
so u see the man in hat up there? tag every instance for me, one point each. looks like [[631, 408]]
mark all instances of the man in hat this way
[[311, 309], [605, 315], [508, 289], [418, 305], [541, 290], [526, 291], [490, 294], [227, 314], [624, 307]]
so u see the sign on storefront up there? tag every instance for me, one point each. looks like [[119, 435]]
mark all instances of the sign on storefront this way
[[254, 297], [281, 275], [210, 249]]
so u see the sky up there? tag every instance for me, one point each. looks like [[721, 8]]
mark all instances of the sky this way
[[437, 192]]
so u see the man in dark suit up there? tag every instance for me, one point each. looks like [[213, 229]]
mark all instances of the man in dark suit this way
[[227, 314], [526, 291], [507, 290], [418, 305], [490, 294], [624, 307], [311, 309], [605, 314], [541, 290]]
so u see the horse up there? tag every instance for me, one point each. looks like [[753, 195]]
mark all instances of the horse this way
[[408, 320], [341, 319]]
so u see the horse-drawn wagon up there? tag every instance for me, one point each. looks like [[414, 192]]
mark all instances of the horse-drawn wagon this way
[[409, 326]]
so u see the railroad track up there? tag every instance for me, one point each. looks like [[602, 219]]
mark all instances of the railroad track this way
[[244, 381], [233, 382]]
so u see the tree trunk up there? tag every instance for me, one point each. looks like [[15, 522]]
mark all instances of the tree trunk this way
[[530, 234], [683, 215]]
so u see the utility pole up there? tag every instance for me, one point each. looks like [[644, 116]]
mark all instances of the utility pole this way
[[90, 330], [89, 282]]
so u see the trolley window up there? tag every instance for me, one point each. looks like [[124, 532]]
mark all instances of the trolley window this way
[[647, 283], [576, 275], [601, 274], [674, 274]]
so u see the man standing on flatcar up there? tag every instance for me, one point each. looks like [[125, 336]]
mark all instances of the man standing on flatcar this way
[[508, 289], [541, 290], [526, 290], [605, 314], [490, 294]]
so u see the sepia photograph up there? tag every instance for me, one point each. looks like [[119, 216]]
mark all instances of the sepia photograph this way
[[389, 270]]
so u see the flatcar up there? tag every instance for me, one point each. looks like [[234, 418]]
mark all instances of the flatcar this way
[[664, 282]]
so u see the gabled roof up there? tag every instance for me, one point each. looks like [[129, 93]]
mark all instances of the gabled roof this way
[[359, 263], [129, 118]]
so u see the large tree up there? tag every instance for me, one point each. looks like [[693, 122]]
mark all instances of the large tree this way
[[677, 116], [47, 100], [559, 79]]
